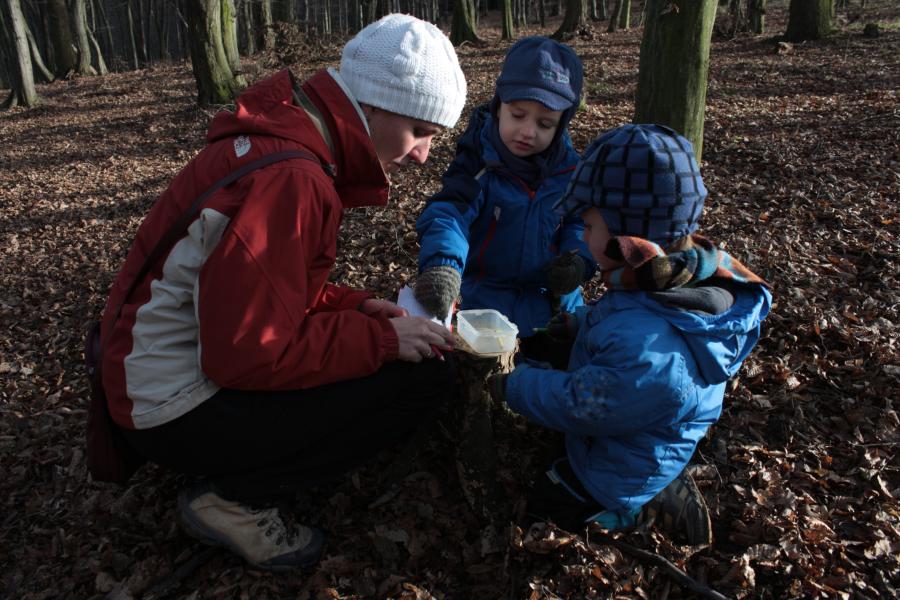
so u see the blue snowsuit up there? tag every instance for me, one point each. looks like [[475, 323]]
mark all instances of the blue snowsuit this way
[[493, 228], [645, 381]]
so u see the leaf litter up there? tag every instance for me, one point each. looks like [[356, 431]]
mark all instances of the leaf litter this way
[[802, 159]]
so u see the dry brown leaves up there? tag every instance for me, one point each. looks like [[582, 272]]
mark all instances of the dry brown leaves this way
[[801, 473]]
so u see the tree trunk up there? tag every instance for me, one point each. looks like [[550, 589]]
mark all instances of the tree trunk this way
[[674, 66], [64, 57], [181, 32], [476, 460], [508, 29], [249, 27], [142, 34], [809, 20], [625, 15], [576, 11], [268, 26], [229, 36], [614, 16], [131, 36], [82, 40], [462, 27], [22, 85], [36, 57], [110, 43], [101, 64], [756, 15], [216, 84]]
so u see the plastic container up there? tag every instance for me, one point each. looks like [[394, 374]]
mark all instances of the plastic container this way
[[486, 331]]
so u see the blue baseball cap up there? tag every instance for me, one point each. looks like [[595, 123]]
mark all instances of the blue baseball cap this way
[[540, 69]]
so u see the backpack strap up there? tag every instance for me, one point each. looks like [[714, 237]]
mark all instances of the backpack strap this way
[[179, 227]]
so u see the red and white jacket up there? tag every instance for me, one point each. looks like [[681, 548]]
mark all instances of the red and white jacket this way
[[242, 301]]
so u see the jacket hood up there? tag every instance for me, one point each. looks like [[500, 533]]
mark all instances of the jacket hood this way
[[268, 108], [718, 342]]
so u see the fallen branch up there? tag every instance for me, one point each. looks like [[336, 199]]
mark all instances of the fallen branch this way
[[171, 581], [680, 577]]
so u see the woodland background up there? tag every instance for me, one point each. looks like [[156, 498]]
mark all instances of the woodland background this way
[[802, 159]]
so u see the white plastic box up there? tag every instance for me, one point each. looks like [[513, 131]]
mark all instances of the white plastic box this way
[[487, 331]]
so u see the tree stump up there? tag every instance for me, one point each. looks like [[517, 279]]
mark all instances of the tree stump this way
[[476, 460]]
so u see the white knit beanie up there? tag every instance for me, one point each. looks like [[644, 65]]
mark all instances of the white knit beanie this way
[[406, 66]]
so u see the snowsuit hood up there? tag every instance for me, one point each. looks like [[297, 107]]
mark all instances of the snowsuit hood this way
[[267, 108]]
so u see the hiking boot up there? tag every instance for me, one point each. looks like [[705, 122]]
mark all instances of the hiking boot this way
[[680, 510], [258, 535]]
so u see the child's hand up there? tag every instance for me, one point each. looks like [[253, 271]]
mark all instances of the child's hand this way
[[496, 385], [437, 289], [565, 273], [563, 326]]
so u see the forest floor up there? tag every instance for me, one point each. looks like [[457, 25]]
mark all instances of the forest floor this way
[[802, 159]]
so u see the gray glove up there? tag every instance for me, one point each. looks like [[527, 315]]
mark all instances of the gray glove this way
[[565, 273], [437, 289]]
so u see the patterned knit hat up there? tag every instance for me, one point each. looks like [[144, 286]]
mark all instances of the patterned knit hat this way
[[540, 69], [645, 181], [406, 66]]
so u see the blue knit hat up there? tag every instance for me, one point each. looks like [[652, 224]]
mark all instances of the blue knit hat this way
[[645, 181], [540, 69]]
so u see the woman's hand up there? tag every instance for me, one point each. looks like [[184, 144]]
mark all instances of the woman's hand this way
[[417, 335]]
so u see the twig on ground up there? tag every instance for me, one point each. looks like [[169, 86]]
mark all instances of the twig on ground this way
[[171, 581], [680, 577]]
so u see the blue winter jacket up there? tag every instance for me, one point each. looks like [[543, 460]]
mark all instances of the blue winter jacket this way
[[488, 224], [645, 382]]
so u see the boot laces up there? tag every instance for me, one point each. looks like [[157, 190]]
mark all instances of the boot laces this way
[[270, 519]]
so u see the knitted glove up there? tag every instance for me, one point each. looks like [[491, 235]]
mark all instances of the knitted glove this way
[[496, 385], [437, 289], [565, 273], [563, 326]]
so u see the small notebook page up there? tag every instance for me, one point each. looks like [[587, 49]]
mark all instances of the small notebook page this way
[[407, 299]]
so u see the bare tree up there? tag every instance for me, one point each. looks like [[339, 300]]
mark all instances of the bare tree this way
[[216, 83], [248, 26], [65, 59], [508, 29], [132, 37], [809, 20], [82, 39], [229, 35], [614, 16], [756, 15], [462, 27], [624, 16], [22, 86], [576, 16], [269, 25], [674, 67], [36, 58]]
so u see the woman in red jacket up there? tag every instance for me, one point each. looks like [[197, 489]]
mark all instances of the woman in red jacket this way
[[235, 359]]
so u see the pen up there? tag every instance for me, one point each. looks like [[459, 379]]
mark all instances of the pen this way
[[437, 352]]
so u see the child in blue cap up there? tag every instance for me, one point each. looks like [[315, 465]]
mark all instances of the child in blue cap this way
[[491, 230], [651, 357]]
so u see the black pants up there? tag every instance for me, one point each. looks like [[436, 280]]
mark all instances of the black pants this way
[[259, 447], [559, 496]]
